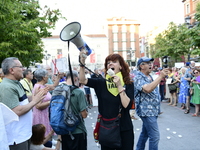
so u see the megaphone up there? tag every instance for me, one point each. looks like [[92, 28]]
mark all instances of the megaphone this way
[[71, 32]]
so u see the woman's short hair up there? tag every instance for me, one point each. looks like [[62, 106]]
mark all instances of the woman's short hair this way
[[38, 134], [39, 74]]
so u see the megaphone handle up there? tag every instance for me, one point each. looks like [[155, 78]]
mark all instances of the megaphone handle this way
[[83, 49]]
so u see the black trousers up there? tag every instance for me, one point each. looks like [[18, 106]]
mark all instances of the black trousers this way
[[79, 142], [127, 138]]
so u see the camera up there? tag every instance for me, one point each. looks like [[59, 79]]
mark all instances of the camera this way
[[165, 66], [165, 60]]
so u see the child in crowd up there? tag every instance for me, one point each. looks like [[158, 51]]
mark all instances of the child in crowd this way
[[38, 138]]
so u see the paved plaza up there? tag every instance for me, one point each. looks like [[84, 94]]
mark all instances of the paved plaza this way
[[178, 131]]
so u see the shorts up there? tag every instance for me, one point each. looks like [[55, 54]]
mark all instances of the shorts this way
[[173, 91], [87, 91]]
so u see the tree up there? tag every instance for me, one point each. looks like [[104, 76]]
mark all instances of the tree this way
[[173, 42], [177, 41], [22, 24]]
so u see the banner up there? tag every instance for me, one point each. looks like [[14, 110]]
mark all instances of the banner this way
[[179, 64], [59, 65], [92, 58]]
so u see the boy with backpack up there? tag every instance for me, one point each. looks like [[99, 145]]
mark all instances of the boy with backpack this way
[[75, 138]]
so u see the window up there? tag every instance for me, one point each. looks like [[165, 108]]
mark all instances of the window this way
[[115, 28], [115, 37], [123, 37], [187, 8], [123, 28], [132, 37], [132, 28], [115, 46], [124, 46], [133, 45]]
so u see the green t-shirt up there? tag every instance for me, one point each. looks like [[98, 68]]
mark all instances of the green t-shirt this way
[[78, 104], [12, 93]]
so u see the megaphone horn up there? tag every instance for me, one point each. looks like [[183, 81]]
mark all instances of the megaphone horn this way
[[71, 32]]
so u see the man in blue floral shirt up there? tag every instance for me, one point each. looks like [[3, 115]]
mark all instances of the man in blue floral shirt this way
[[147, 101]]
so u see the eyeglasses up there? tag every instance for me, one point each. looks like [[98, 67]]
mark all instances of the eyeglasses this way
[[18, 66]]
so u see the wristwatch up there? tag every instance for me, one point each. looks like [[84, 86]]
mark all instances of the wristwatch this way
[[59, 140]]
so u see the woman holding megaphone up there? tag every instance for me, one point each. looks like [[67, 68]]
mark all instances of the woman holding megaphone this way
[[115, 95]]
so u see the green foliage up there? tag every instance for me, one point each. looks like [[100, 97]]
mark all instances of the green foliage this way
[[22, 26], [172, 42], [177, 41]]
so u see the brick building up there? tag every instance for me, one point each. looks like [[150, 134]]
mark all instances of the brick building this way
[[190, 9], [123, 38]]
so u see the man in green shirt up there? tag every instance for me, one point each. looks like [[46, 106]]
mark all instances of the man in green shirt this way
[[13, 95]]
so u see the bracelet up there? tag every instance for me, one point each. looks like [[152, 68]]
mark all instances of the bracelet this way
[[121, 91]]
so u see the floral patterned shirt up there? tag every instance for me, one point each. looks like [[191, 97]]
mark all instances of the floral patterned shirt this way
[[147, 104]]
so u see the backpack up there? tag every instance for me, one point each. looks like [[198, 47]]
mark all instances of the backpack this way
[[61, 117]]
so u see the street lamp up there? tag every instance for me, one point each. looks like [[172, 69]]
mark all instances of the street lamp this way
[[47, 56], [131, 53], [187, 21]]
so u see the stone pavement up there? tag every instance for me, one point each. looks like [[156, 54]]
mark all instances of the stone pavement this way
[[178, 131]]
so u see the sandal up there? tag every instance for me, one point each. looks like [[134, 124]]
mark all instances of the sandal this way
[[187, 111], [182, 106], [133, 117], [194, 115]]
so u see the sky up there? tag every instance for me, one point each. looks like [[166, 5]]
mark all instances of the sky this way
[[92, 14]]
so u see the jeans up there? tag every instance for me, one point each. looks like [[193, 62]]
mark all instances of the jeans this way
[[149, 130], [162, 91]]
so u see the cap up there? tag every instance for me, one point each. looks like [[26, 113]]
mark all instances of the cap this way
[[144, 59], [187, 63]]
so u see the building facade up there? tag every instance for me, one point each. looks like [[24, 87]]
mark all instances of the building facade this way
[[123, 38], [55, 48], [190, 9]]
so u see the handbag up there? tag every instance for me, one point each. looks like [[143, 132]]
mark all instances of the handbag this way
[[172, 87], [109, 132], [133, 104], [96, 130]]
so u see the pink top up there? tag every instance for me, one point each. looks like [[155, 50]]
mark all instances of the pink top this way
[[42, 116]]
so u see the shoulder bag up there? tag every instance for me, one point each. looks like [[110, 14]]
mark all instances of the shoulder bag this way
[[107, 131]]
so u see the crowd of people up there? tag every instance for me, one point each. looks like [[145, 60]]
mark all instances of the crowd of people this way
[[181, 85], [28, 94]]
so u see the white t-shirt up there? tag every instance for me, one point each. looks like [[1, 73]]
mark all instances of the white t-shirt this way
[[36, 147]]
